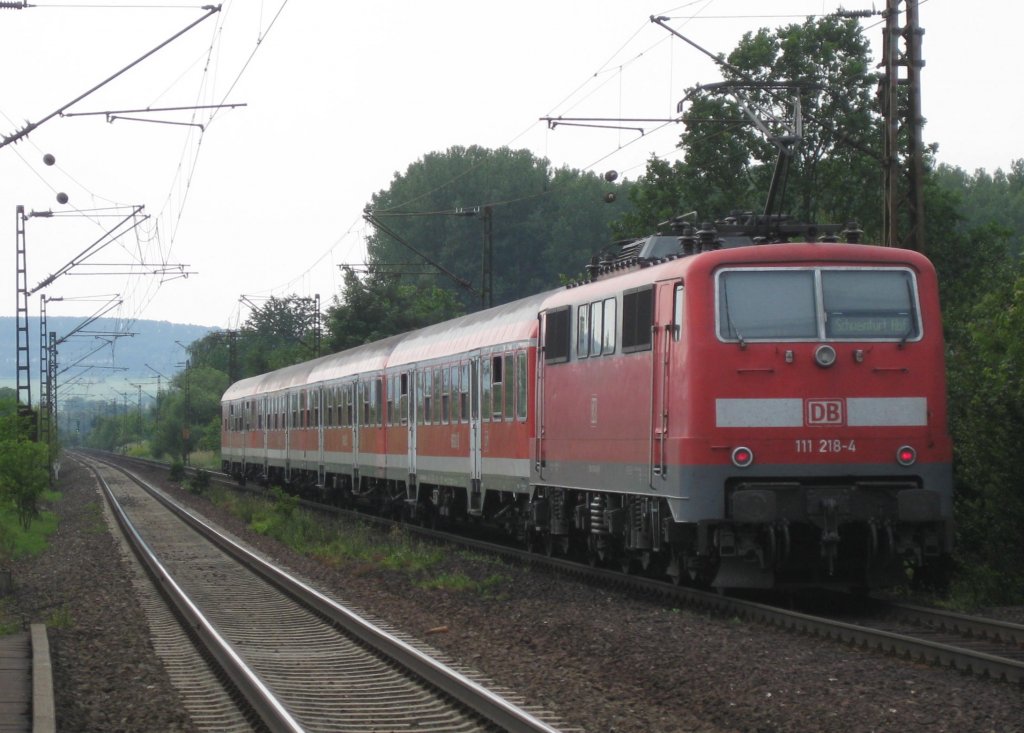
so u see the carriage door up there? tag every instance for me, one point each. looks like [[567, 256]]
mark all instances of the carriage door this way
[[407, 413], [665, 335], [318, 396], [265, 404], [475, 438], [358, 390], [244, 424]]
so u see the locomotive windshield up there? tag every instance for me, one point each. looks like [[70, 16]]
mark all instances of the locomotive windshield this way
[[817, 303]]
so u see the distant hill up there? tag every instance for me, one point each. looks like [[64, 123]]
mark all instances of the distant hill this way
[[115, 355]]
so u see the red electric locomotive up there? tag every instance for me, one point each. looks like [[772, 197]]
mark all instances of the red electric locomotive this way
[[738, 414]]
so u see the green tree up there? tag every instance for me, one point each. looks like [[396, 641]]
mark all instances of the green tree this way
[[24, 463], [542, 222], [376, 306], [982, 289], [729, 163], [987, 391], [188, 414], [280, 332], [995, 199]]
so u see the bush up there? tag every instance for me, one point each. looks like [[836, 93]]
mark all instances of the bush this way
[[177, 472], [200, 482], [24, 476]]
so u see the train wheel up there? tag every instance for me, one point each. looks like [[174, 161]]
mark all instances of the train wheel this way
[[529, 537], [674, 569], [593, 553]]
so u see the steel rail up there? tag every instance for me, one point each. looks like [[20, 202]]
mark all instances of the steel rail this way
[[976, 627], [944, 654], [256, 693], [473, 695]]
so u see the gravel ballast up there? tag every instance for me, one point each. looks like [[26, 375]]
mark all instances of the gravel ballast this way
[[599, 659]]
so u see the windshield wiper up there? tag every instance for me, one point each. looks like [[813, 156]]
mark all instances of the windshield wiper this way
[[728, 316]]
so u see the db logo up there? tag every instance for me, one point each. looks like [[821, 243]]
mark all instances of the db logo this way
[[824, 412]]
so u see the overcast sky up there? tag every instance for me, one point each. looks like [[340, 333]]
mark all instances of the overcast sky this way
[[266, 199]]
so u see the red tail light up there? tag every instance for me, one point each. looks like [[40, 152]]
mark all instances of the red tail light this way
[[742, 457], [906, 456]]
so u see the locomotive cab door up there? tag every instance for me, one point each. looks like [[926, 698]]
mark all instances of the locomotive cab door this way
[[666, 333], [555, 335]]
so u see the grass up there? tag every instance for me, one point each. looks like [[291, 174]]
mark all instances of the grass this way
[[18, 542], [9, 624], [97, 522], [357, 546], [60, 618], [209, 459]]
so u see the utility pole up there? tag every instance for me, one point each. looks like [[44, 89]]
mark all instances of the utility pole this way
[[44, 375], [903, 224], [51, 378], [317, 335], [487, 274], [186, 432], [21, 277]]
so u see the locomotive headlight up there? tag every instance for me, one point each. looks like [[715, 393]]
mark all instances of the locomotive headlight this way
[[906, 456], [825, 355], [742, 457]]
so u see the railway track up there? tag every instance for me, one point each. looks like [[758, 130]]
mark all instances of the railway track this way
[[300, 660], [971, 644], [984, 647]]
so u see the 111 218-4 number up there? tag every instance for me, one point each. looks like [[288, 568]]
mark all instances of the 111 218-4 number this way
[[825, 445]]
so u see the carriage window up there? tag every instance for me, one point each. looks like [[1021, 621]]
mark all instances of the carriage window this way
[[608, 340], [436, 414], [464, 392], [596, 327], [510, 392], [498, 386], [767, 304], [455, 394], [521, 386], [428, 396], [637, 314], [403, 400], [582, 331], [869, 304], [556, 336], [474, 388], [677, 312], [485, 379], [446, 390], [861, 304]]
